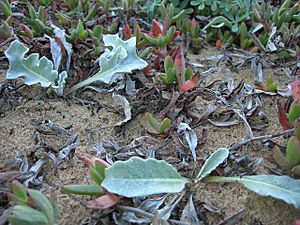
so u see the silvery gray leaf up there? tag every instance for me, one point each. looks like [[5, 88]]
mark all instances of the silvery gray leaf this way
[[270, 44], [59, 33], [121, 100], [165, 213], [257, 27], [134, 219], [189, 213], [190, 137], [224, 123], [55, 52], [35, 169], [118, 219], [242, 115], [130, 86], [152, 205]]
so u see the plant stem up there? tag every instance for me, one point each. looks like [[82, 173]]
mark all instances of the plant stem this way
[[88, 81], [216, 179], [267, 137]]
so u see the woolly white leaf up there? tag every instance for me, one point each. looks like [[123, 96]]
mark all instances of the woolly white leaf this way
[[190, 137], [139, 177], [33, 69], [280, 187], [213, 162], [59, 88], [56, 50], [122, 59]]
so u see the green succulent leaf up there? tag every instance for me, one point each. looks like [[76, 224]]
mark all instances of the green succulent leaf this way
[[280, 187], [142, 177], [271, 85], [54, 204], [158, 127], [218, 22], [19, 193], [293, 151], [280, 159], [26, 215], [213, 162], [84, 189], [97, 172], [43, 203], [294, 111]]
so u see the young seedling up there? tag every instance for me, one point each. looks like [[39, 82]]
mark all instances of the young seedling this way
[[25, 32], [195, 39], [6, 8], [5, 30], [176, 72], [138, 177], [158, 127], [245, 41], [38, 21], [173, 15], [31, 207], [97, 169], [185, 78], [169, 77], [162, 35], [291, 160], [271, 85], [97, 175], [78, 34], [44, 2]]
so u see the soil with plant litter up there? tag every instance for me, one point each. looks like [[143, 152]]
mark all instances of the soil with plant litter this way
[[213, 202]]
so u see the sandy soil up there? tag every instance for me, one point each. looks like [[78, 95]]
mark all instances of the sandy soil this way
[[17, 132]]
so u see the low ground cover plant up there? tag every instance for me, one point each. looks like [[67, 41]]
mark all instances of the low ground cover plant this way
[[140, 52], [141, 177]]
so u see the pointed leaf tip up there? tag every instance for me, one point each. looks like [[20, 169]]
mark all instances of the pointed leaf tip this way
[[213, 162]]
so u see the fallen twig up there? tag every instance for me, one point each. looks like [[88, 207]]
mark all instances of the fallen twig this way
[[266, 137]]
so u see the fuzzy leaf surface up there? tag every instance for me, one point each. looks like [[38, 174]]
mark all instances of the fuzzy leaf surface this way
[[121, 59], [43, 203], [213, 162], [33, 69], [26, 215], [141, 177], [280, 187]]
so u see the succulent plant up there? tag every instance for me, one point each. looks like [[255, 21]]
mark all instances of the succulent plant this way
[[291, 161], [31, 207]]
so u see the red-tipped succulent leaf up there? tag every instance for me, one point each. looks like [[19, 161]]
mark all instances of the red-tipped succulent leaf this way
[[127, 32], [156, 27], [89, 160], [296, 89]]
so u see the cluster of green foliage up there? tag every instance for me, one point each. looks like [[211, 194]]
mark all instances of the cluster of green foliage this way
[[291, 160], [31, 207], [152, 49]]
